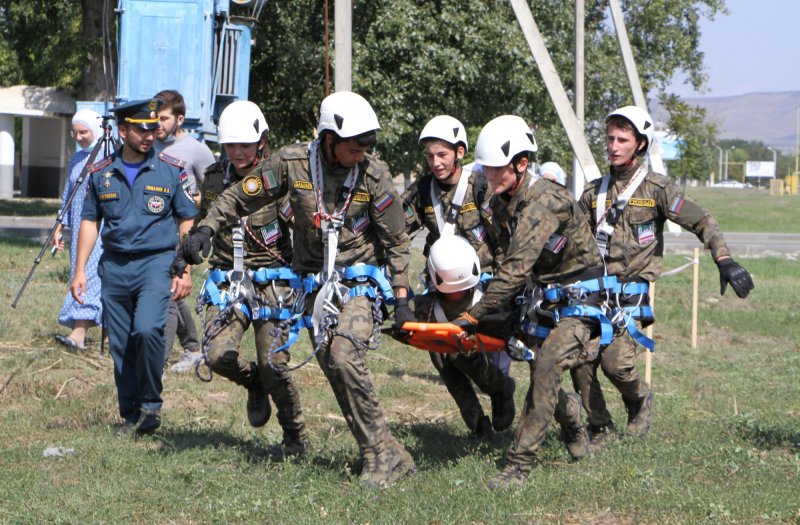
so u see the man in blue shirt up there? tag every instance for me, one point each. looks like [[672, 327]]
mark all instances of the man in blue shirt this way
[[142, 199]]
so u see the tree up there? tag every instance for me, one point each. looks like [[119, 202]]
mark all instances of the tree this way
[[48, 43], [698, 154]]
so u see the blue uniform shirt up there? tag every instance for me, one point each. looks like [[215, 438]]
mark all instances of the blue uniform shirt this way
[[142, 218]]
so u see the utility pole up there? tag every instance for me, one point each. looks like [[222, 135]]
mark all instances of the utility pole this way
[[577, 179], [343, 45]]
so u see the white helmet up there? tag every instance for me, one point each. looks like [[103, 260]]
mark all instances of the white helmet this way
[[453, 264], [554, 170], [641, 120], [241, 122], [446, 128], [501, 139], [346, 114]]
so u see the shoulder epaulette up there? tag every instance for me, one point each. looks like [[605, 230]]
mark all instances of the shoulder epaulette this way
[[97, 166], [294, 151], [657, 179], [217, 166], [172, 160]]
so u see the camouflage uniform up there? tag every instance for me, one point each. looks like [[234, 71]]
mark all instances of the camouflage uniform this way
[[636, 254], [419, 213], [267, 244], [459, 370], [547, 240], [373, 227]]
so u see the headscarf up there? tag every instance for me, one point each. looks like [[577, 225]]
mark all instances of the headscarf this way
[[93, 121]]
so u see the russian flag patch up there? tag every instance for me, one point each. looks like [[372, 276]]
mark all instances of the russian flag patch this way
[[384, 202], [677, 204]]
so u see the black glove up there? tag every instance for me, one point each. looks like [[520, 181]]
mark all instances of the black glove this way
[[467, 323], [198, 240], [402, 313], [731, 272], [178, 266]]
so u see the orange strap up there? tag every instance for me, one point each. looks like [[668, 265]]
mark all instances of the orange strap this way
[[446, 338]]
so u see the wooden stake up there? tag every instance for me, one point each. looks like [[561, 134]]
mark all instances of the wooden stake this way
[[648, 355], [695, 284]]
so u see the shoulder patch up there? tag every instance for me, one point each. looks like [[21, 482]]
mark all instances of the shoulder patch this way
[[384, 202], [251, 185], [360, 196], [659, 180], [172, 160], [375, 168], [97, 166], [286, 211], [303, 185]]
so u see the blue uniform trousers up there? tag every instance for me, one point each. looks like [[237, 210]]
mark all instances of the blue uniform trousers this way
[[135, 293]]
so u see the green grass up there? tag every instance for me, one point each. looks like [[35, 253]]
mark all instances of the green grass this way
[[750, 210], [30, 207], [724, 447]]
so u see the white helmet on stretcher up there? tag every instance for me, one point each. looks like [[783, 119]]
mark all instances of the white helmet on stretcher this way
[[453, 264]]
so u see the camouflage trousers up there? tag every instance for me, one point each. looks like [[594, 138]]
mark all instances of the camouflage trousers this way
[[566, 346], [618, 362], [344, 366], [459, 371], [226, 360]]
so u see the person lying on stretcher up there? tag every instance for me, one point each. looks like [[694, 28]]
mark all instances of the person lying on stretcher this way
[[455, 271]]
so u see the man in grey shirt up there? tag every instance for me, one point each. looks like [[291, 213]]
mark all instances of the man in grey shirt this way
[[172, 140]]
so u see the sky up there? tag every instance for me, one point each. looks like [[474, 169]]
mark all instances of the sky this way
[[755, 48]]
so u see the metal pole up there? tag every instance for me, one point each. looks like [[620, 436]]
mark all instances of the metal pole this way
[[577, 179], [726, 165], [695, 284], [556, 90], [343, 45], [7, 157], [719, 169], [327, 56], [656, 164]]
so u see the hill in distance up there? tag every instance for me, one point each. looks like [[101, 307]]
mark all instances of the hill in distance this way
[[770, 118]]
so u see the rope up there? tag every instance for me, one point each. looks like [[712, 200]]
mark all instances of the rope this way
[[679, 269]]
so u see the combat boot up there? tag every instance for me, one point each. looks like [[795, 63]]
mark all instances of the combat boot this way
[[573, 431], [503, 410], [383, 465], [600, 436], [149, 420], [483, 429], [640, 413], [258, 407], [294, 444], [514, 474]]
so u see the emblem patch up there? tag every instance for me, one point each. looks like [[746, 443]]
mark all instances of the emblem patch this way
[[360, 223], [155, 204], [271, 232], [361, 197], [211, 196], [470, 206], [479, 232], [107, 184], [107, 196], [556, 243], [646, 233], [384, 202], [251, 185], [303, 185]]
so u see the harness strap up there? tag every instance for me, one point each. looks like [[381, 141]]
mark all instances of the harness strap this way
[[297, 324], [592, 312], [628, 315], [607, 282], [363, 272], [447, 222]]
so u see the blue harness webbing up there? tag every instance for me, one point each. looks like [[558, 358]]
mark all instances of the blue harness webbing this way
[[361, 273], [626, 315], [559, 293]]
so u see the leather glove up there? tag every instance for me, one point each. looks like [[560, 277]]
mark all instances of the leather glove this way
[[467, 323], [178, 266], [731, 272], [402, 314], [197, 241]]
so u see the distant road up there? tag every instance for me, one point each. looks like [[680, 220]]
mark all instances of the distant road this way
[[741, 244]]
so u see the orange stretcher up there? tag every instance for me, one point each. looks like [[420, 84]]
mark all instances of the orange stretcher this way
[[446, 338]]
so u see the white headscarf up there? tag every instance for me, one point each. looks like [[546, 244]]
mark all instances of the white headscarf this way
[[93, 121]]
